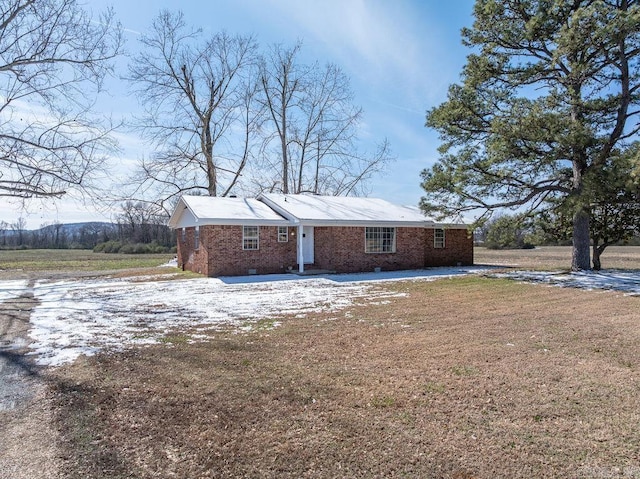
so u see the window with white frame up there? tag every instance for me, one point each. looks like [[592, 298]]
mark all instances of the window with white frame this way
[[379, 240], [184, 234], [283, 234], [250, 237], [438, 238], [196, 240]]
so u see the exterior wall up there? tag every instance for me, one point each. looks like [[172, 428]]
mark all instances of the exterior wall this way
[[341, 249], [458, 248], [190, 258], [221, 254]]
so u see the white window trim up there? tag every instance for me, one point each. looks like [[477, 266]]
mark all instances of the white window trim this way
[[283, 237], [245, 237], [381, 229], [196, 238], [436, 242]]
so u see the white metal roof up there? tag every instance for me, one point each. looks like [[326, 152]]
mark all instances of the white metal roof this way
[[311, 210], [314, 210], [216, 210]]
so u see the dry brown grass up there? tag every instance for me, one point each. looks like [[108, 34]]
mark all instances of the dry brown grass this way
[[556, 257], [461, 378]]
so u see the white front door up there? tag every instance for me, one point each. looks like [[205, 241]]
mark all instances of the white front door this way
[[307, 244]]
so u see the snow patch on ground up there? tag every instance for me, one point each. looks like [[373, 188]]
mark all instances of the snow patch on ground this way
[[626, 281], [90, 315], [11, 289], [87, 316], [172, 263]]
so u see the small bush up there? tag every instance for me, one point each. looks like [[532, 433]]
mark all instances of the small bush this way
[[493, 245], [108, 247], [132, 248], [137, 248], [126, 249]]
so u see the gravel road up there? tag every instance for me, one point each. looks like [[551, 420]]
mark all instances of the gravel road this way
[[28, 439]]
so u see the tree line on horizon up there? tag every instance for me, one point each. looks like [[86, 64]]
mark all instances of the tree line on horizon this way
[[135, 230], [505, 231]]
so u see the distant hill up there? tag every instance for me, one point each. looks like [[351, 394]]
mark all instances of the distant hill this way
[[66, 228], [71, 228]]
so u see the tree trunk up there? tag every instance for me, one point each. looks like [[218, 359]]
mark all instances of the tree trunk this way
[[285, 166], [597, 252], [580, 257], [285, 156], [283, 134], [597, 265], [207, 150]]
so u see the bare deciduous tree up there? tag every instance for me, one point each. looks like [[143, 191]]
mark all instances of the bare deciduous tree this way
[[197, 95], [19, 227], [53, 59], [313, 146], [142, 222]]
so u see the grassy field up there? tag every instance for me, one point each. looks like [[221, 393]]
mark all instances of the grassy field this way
[[15, 263], [556, 257], [458, 378], [22, 262]]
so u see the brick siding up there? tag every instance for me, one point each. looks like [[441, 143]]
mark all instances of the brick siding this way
[[458, 248], [340, 249], [221, 254], [190, 258]]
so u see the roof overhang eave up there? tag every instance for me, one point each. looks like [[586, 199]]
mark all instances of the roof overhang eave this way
[[177, 212], [451, 225], [365, 223], [235, 222]]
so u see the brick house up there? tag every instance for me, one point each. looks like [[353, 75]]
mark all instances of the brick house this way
[[278, 233]]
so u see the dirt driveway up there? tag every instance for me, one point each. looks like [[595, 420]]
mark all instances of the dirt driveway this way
[[27, 442]]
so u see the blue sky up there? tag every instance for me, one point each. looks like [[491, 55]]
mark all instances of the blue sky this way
[[401, 55]]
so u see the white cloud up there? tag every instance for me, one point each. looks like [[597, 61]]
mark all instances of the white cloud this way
[[365, 37]]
